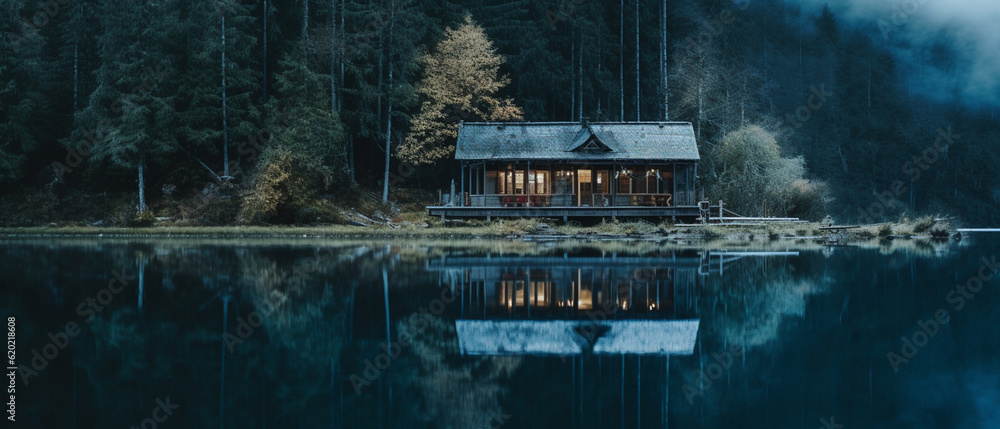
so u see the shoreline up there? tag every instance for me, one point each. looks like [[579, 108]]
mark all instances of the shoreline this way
[[528, 230]]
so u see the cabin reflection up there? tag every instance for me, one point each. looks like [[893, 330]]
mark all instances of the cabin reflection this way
[[619, 287], [567, 306]]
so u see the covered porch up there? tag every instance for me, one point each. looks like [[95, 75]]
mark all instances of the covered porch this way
[[491, 184]]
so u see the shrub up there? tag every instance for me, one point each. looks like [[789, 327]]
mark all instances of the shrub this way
[[752, 177], [145, 218], [923, 224], [320, 211], [213, 205], [940, 232], [281, 187], [515, 226], [885, 230]]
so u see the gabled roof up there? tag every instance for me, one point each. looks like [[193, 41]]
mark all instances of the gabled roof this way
[[573, 141], [563, 337]]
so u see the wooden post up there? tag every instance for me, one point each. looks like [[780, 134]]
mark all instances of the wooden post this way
[[451, 196], [462, 194], [720, 211], [614, 184], [527, 184]]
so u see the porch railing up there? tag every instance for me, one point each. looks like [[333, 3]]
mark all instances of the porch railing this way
[[641, 199], [568, 200], [520, 200]]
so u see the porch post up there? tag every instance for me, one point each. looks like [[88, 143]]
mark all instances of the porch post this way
[[461, 195], [527, 184], [614, 183], [673, 167]]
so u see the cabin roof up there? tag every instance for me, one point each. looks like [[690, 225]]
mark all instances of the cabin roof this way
[[563, 337], [575, 141]]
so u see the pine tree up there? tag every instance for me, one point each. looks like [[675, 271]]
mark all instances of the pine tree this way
[[461, 78], [21, 61], [305, 156], [133, 107], [220, 83]]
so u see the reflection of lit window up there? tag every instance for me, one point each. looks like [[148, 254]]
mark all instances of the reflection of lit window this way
[[586, 299], [539, 297]]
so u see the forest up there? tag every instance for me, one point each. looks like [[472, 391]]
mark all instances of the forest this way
[[293, 111]]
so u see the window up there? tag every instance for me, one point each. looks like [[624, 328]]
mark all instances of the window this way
[[624, 184], [563, 184], [539, 181]]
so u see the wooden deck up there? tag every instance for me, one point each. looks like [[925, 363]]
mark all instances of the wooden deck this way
[[687, 213]]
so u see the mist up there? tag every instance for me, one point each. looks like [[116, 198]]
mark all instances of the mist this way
[[947, 50]]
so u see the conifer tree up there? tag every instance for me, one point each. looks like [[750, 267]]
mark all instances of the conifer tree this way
[[461, 77]]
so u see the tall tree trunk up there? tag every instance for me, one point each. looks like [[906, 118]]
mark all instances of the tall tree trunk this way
[[664, 72], [572, 79], [801, 66], [142, 183], [388, 128], [388, 147], [333, 55], [621, 59], [76, 74], [701, 104], [600, 59], [637, 90], [305, 19], [579, 76], [343, 41], [225, 125], [265, 52]]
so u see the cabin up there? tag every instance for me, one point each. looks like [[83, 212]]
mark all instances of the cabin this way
[[574, 169]]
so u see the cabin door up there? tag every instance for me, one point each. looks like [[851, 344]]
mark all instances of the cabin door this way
[[585, 187]]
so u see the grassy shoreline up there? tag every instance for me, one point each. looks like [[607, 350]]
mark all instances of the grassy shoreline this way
[[518, 228]]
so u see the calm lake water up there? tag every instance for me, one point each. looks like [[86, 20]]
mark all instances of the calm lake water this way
[[311, 333]]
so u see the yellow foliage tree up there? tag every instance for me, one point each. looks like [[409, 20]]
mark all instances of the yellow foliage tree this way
[[460, 83]]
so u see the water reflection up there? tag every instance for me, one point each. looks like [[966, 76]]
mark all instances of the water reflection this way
[[263, 333]]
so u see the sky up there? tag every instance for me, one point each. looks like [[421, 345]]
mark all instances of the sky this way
[[913, 28]]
